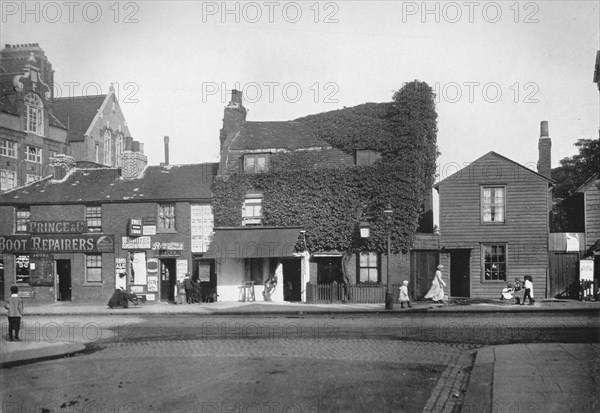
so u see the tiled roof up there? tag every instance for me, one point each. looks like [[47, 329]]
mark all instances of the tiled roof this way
[[77, 113], [103, 185], [279, 135]]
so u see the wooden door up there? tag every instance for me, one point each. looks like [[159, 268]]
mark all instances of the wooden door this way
[[564, 274]]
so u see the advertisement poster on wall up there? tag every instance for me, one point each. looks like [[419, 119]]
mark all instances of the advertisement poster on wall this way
[[120, 273], [586, 270], [182, 269]]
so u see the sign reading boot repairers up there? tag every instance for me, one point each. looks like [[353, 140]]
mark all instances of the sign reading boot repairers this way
[[58, 243]]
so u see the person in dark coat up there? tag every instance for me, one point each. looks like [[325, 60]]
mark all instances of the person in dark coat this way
[[188, 286]]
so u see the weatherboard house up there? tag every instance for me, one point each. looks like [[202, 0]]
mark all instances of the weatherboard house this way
[[494, 224], [79, 237]]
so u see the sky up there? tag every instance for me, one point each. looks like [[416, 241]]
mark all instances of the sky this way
[[498, 68]]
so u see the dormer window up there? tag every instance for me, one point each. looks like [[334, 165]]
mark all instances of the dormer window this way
[[366, 157], [256, 163], [35, 114], [252, 210]]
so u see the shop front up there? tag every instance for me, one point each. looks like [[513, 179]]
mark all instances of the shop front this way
[[251, 261]]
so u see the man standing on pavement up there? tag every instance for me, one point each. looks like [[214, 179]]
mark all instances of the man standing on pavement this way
[[15, 312], [188, 286]]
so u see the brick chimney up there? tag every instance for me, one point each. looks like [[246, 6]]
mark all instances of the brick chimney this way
[[545, 151], [133, 164], [166, 150], [233, 119], [235, 115]]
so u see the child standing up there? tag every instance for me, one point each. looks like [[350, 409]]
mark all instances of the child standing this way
[[528, 290], [15, 312], [404, 295]]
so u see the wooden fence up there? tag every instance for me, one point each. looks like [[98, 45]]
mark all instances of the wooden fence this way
[[354, 293]]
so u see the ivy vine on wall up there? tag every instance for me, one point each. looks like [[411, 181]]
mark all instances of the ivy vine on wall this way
[[329, 202]]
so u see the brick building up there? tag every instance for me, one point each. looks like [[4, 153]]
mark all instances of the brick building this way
[[29, 132], [80, 237], [35, 125]]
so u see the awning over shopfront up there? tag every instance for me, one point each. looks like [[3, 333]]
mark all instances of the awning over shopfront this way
[[253, 242]]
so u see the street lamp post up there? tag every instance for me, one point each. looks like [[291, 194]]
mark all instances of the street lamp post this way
[[388, 212]]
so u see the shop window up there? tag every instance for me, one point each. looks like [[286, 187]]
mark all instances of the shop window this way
[[493, 204], [368, 267], [93, 268], [93, 217], [256, 163], [166, 217], [22, 220], [8, 148], [35, 114], [252, 210], [8, 179], [494, 262], [33, 154]]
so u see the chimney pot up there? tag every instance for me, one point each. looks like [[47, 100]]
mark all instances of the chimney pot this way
[[166, 150], [544, 129]]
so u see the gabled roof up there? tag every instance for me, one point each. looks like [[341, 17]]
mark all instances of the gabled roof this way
[[104, 185], [589, 183], [488, 155], [276, 135], [78, 113]]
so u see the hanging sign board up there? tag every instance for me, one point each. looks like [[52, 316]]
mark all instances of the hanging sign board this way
[[134, 229]]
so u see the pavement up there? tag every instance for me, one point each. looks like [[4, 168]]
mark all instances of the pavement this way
[[515, 377]]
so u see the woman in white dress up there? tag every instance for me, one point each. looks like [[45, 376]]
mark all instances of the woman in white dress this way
[[436, 292]]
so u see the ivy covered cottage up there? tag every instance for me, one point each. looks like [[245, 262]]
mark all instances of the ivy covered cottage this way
[[289, 198]]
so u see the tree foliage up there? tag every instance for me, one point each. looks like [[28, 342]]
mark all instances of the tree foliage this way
[[574, 171], [329, 202], [567, 211]]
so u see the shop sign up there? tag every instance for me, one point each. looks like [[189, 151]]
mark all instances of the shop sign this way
[[149, 225], [136, 243], [57, 227], [167, 253], [134, 229], [168, 246], [89, 243]]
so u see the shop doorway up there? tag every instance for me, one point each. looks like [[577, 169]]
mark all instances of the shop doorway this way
[[63, 271], [460, 273], [204, 274], [168, 279], [292, 283]]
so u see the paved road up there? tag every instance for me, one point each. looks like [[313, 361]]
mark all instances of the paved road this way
[[271, 364]]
